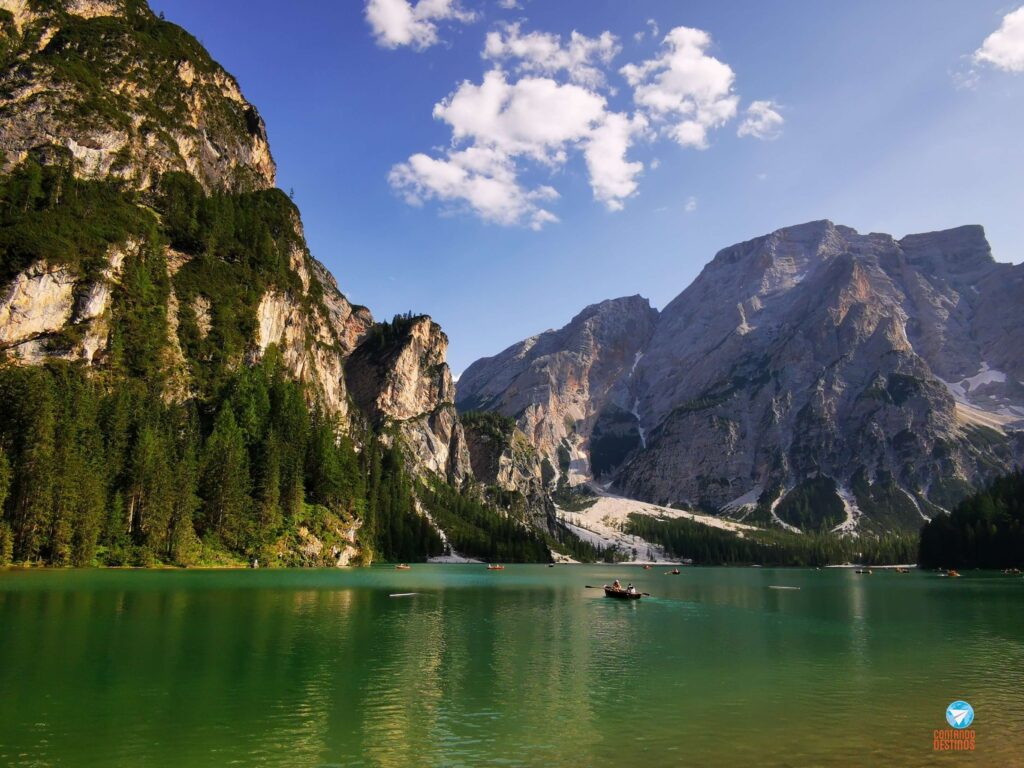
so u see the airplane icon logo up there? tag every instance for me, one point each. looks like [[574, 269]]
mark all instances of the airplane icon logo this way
[[960, 714]]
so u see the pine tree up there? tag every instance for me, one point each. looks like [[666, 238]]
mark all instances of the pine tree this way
[[224, 480]]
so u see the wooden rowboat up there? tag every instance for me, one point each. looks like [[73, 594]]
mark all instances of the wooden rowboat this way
[[495, 567], [402, 567], [621, 594]]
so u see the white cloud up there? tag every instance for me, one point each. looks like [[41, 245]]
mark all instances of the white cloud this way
[[483, 179], [535, 116], [763, 121], [398, 22], [685, 90], [502, 123], [1004, 48], [655, 32], [543, 53], [509, 5], [542, 102], [612, 177]]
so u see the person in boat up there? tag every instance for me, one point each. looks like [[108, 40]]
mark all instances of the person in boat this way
[[617, 585], [631, 590]]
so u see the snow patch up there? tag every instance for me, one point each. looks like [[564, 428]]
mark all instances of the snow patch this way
[[636, 403], [641, 430], [987, 375], [745, 502]]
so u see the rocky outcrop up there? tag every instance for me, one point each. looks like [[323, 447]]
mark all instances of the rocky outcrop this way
[[563, 385], [314, 339], [893, 368], [84, 83], [398, 375]]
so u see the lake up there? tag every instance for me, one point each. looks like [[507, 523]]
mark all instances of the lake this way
[[519, 667]]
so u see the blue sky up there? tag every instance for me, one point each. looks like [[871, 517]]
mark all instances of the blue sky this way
[[877, 115]]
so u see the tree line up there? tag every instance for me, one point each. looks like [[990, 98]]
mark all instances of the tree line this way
[[714, 546], [115, 476], [985, 530]]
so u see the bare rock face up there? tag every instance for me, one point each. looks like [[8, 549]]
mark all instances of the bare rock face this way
[[505, 459], [562, 384], [122, 94], [398, 375], [890, 368], [50, 311]]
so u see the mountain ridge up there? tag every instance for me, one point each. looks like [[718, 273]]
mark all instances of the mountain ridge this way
[[813, 351]]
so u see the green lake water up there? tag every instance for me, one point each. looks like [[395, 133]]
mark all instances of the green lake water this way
[[519, 667]]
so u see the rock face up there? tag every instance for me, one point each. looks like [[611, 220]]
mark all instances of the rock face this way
[[562, 386], [51, 311], [889, 370], [508, 461], [119, 93], [398, 375]]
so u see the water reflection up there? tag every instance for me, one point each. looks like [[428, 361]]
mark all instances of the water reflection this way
[[525, 668]]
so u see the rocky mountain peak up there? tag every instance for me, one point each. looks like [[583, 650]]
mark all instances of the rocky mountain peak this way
[[963, 251], [891, 368], [116, 92]]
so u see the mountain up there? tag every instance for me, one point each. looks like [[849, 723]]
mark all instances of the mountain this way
[[813, 378], [563, 386], [181, 381]]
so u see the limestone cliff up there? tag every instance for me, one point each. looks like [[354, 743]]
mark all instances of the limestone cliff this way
[[398, 375]]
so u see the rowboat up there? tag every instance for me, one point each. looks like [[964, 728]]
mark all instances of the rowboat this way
[[495, 567], [621, 594], [402, 567], [863, 570]]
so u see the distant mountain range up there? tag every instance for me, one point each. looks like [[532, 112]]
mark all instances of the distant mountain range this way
[[813, 378]]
